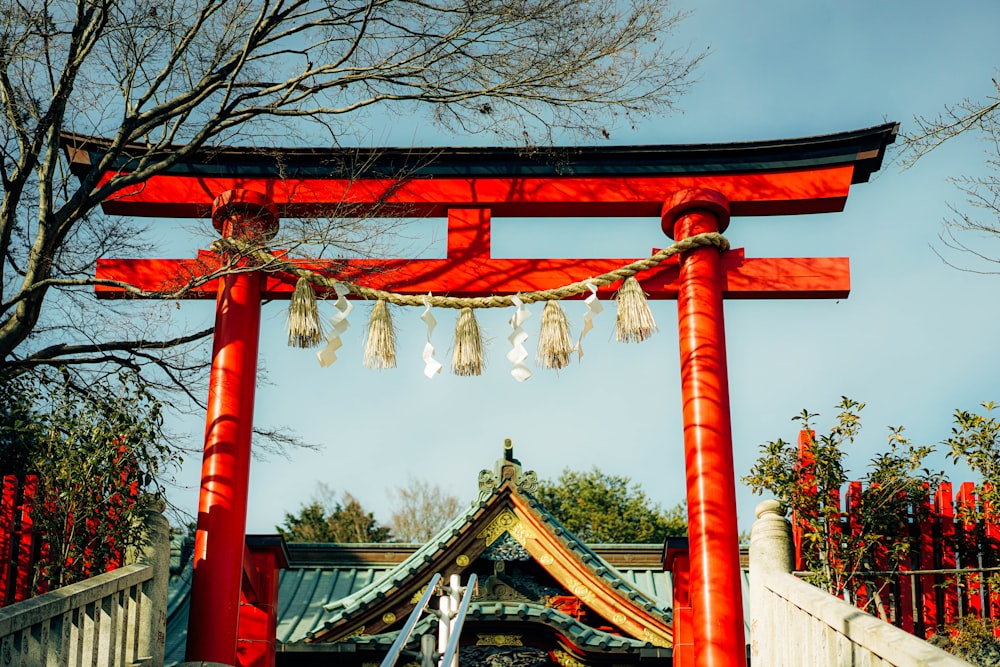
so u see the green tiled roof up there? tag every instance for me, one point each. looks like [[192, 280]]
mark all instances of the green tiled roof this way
[[304, 590], [330, 589], [580, 634]]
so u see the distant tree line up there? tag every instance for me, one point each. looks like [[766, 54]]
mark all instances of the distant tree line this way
[[595, 506]]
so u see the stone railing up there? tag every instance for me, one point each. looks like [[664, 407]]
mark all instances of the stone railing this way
[[117, 618], [795, 623]]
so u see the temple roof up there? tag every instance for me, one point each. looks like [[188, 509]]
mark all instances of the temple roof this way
[[508, 509], [570, 597]]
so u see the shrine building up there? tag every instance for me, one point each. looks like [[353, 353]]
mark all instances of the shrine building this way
[[544, 597]]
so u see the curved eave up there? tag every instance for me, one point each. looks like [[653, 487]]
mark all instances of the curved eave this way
[[569, 561], [569, 631], [863, 148], [365, 612], [586, 575]]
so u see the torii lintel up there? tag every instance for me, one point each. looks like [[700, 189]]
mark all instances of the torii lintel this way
[[470, 186]]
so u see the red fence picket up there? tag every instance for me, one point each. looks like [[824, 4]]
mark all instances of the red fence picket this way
[[8, 504]]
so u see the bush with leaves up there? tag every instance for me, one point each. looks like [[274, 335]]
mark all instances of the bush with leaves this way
[[98, 455], [972, 639], [975, 440], [808, 483], [602, 508]]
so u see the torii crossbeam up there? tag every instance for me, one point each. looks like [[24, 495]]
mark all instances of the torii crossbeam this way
[[693, 189]]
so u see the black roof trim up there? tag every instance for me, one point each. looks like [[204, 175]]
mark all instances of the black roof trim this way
[[865, 148]]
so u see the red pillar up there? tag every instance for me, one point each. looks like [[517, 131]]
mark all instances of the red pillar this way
[[225, 472], [258, 627], [708, 442], [678, 563]]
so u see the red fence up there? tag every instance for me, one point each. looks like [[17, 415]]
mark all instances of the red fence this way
[[20, 544], [951, 571]]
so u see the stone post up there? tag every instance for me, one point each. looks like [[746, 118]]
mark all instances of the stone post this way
[[153, 550], [771, 551]]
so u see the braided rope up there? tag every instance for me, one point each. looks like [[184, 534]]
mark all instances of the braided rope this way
[[269, 262]]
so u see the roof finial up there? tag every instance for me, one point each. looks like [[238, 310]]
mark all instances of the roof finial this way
[[507, 469]]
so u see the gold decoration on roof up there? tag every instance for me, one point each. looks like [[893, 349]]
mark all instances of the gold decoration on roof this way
[[565, 659], [504, 522], [418, 594], [499, 640], [655, 639]]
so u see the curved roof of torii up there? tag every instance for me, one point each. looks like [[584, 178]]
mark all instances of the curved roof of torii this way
[[777, 177], [506, 507]]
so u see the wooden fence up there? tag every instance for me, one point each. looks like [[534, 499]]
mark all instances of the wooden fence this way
[[20, 543], [951, 571], [24, 547]]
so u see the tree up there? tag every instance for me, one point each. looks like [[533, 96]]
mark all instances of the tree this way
[[421, 510], [162, 80], [979, 218], [327, 520], [808, 484], [975, 439], [97, 456], [602, 508]]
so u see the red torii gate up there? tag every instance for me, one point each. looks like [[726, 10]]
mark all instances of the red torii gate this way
[[694, 189]]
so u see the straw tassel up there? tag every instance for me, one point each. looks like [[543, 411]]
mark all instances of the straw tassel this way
[[554, 345], [635, 320], [468, 357], [380, 348], [304, 329]]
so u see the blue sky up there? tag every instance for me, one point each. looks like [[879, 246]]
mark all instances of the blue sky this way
[[914, 340]]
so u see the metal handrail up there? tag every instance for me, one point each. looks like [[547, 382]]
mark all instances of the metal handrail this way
[[456, 631], [411, 622]]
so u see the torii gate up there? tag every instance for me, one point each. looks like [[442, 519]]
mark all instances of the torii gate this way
[[694, 189]]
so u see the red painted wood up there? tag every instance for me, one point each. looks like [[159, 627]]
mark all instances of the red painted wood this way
[[945, 509], [683, 648], [807, 465], [716, 597], [965, 507], [820, 190], [743, 278], [991, 554], [904, 583], [929, 620], [852, 509], [882, 586], [258, 624], [7, 507], [836, 529], [26, 544], [222, 505]]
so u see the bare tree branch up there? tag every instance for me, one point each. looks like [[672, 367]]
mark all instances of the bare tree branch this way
[[162, 80]]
